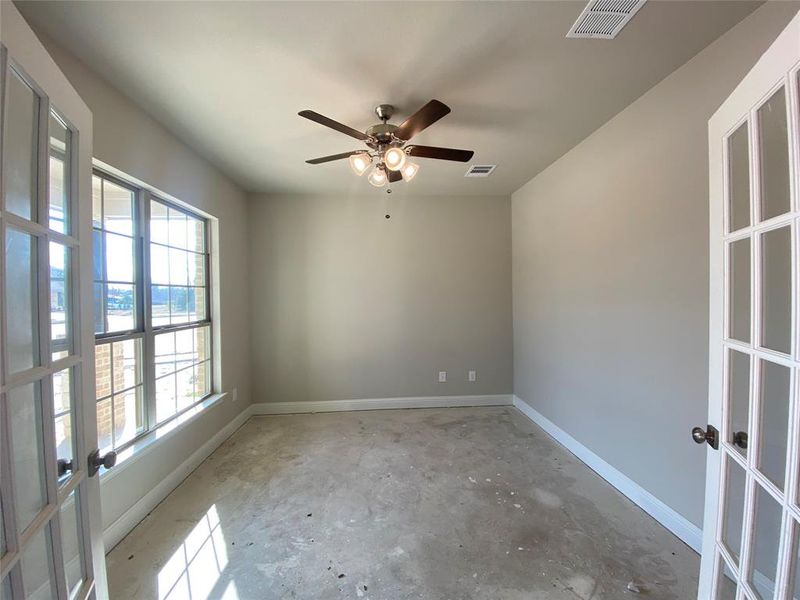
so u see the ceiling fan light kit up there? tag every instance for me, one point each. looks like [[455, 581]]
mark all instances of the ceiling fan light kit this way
[[360, 163], [378, 177], [388, 144]]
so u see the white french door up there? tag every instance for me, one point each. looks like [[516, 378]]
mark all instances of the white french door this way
[[751, 534], [50, 539]]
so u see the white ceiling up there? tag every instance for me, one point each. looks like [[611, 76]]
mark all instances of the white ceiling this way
[[230, 77]]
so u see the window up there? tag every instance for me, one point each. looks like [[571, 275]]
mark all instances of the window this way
[[151, 306]]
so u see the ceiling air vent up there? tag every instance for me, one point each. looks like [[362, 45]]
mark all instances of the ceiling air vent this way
[[604, 19], [480, 170]]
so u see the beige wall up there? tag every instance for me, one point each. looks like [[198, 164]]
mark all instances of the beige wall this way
[[126, 138], [610, 275], [348, 304]]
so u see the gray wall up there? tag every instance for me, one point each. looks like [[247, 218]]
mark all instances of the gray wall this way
[[126, 138], [610, 275], [348, 304]]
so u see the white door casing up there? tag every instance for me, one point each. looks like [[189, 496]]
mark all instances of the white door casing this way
[[52, 545], [751, 531]]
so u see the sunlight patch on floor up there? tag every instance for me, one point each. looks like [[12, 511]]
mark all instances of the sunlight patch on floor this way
[[193, 571]]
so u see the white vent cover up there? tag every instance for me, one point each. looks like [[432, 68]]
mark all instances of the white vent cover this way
[[604, 19], [480, 170]]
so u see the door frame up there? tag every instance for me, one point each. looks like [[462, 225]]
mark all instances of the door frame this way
[[779, 65], [26, 52]]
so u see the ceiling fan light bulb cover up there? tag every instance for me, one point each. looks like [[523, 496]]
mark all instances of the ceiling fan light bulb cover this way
[[409, 170], [360, 163], [394, 158], [378, 177]]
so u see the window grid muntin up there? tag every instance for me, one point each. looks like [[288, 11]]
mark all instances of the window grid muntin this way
[[114, 393], [47, 521], [145, 329], [790, 500], [135, 256], [166, 328]]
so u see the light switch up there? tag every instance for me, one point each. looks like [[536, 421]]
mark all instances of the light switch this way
[[472, 376], [442, 376]]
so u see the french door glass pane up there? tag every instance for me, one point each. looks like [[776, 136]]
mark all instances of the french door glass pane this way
[[774, 430], [774, 156], [739, 290], [733, 507], [25, 416], [739, 179], [795, 594], [62, 411], [21, 300], [738, 393], [20, 143], [37, 571], [60, 300], [767, 532], [71, 546], [2, 531], [60, 181], [726, 581], [776, 291]]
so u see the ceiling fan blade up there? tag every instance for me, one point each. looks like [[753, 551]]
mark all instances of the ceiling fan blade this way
[[323, 120], [324, 159], [440, 153], [394, 176], [424, 117]]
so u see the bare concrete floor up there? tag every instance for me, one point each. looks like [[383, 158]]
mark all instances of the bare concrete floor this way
[[461, 504]]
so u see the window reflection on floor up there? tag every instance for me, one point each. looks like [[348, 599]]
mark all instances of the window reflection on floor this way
[[193, 572]]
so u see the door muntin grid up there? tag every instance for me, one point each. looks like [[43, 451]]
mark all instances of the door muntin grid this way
[[45, 549], [766, 562]]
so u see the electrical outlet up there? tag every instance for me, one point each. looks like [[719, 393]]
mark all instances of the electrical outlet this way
[[235, 394], [472, 376], [442, 376]]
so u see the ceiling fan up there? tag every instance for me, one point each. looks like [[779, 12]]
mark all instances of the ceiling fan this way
[[388, 144]]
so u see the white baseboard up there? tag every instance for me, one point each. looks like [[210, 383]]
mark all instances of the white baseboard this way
[[114, 533], [669, 518], [283, 408]]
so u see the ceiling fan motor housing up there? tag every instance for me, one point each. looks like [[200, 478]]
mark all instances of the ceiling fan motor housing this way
[[382, 133]]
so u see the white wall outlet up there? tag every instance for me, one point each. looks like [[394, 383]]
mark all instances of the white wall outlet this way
[[235, 394], [472, 376], [442, 376]]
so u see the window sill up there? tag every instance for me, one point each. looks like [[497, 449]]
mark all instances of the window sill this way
[[152, 440]]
